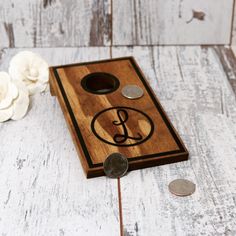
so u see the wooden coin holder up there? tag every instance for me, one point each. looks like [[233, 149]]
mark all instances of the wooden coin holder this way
[[102, 121]]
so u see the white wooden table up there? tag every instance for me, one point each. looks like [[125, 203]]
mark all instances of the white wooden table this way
[[43, 190]]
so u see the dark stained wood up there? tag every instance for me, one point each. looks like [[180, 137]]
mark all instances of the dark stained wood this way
[[95, 119]]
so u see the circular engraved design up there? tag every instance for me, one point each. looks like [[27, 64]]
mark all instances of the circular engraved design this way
[[122, 126], [115, 165]]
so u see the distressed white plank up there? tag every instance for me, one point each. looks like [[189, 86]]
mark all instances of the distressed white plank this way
[[195, 92], [167, 22], [233, 33], [43, 188], [233, 47], [52, 23], [228, 61]]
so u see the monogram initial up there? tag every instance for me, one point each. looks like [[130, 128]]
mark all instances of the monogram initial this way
[[123, 118]]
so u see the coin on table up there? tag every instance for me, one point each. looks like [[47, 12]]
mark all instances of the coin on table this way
[[132, 91], [182, 187], [116, 165]]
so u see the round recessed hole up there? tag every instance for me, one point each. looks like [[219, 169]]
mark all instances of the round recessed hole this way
[[100, 83]]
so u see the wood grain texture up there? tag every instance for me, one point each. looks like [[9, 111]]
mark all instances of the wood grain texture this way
[[43, 187], [51, 23], [194, 90], [228, 61], [171, 22], [233, 28], [48, 23], [137, 128]]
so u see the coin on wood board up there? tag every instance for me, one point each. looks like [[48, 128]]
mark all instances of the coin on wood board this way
[[182, 187], [116, 165], [132, 92]]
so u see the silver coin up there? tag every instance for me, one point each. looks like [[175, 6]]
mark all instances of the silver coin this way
[[116, 165], [182, 187], [132, 91]]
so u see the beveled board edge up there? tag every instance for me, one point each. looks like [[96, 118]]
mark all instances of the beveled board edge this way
[[95, 170], [55, 91]]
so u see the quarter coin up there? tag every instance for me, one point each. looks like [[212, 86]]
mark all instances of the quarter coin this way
[[182, 187], [116, 165], [132, 91]]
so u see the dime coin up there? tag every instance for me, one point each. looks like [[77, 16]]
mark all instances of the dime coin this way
[[182, 187], [116, 165], [132, 91]]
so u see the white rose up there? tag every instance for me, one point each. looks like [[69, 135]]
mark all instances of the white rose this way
[[31, 69], [14, 98]]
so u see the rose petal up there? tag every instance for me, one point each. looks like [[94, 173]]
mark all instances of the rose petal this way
[[4, 78], [36, 88], [10, 90], [19, 64], [6, 114], [44, 76], [13, 90], [31, 78], [30, 68], [3, 87], [21, 104]]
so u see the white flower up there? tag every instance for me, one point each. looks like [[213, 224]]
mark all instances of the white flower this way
[[31, 69], [14, 98]]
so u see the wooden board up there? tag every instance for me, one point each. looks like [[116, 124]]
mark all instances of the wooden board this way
[[196, 94], [233, 29], [169, 22], [102, 124], [55, 23], [227, 58]]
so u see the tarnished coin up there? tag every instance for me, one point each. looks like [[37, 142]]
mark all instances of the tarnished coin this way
[[132, 92], [116, 165], [182, 187]]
